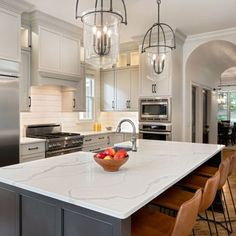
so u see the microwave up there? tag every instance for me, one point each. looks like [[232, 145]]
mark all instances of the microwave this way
[[155, 109]]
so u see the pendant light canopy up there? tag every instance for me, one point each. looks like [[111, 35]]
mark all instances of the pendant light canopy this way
[[157, 42], [101, 32]]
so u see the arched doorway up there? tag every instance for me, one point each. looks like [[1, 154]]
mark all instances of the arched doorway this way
[[203, 70]]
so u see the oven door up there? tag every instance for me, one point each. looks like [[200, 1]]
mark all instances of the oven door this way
[[165, 136], [154, 110], [62, 151]]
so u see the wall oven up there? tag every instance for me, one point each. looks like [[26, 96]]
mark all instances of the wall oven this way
[[155, 109], [155, 131]]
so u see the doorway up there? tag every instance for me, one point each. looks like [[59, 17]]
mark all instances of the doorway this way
[[205, 115], [194, 113]]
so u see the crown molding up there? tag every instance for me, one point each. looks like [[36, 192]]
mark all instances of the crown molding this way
[[40, 18], [212, 34], [17, 6]]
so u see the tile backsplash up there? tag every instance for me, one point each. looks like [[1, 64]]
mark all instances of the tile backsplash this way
[[47, 108]]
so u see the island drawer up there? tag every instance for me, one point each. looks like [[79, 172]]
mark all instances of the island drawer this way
[[31, 148]]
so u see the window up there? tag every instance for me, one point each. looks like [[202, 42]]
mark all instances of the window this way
[[227, 108], [90, 106]]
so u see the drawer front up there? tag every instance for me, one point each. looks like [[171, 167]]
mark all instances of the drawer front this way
[[98, 139], [32, 148], [95, 148], [33, 157]]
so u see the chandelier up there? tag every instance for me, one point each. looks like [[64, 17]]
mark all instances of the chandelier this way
[[101, 32], [157, 42]]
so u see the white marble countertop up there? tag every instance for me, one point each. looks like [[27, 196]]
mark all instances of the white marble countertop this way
[[77, 179], [25, 140]]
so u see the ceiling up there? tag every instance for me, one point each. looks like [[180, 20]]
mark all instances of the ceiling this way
[[189, 16]]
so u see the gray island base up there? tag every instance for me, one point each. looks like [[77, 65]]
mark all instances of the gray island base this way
[[71, 195]]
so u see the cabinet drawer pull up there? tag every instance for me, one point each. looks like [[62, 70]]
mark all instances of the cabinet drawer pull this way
[[29, 101], [34, 148], [101, 138], [74, 103], [88, 140]]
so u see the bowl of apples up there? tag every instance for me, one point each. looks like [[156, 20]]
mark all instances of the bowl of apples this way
[[111, 159]]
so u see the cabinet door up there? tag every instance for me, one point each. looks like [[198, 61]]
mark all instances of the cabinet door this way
[[80, 93], [24, 85], [49, 50], [134, 89], [152, 84], [107, 90], [122, 89], [70, 56], [10, 35]]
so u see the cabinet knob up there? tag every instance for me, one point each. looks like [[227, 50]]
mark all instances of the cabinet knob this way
[[74, 103]]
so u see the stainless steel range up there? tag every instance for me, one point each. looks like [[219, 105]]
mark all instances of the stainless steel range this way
[[57, 142]]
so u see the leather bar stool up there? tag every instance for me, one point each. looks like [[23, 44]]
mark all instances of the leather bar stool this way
[[150, 222], [196, 181], [174, 197], [209, 171]]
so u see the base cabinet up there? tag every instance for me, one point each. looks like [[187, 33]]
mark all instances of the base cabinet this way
[[24, 213]]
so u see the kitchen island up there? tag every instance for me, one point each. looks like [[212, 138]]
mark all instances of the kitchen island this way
[[71, 195]]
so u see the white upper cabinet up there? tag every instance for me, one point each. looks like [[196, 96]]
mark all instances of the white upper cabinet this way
[[70, 58], [152, 84], [24, 85], [119, 89], [49, 50], [55, 51], [10, 35], [107, 90], [122, 89]]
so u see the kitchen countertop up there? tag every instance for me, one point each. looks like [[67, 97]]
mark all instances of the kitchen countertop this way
[[25, 140], [77, 179]]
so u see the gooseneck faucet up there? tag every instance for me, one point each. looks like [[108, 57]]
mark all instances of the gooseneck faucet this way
[[133, 138]]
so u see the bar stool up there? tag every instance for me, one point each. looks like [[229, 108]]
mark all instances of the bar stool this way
[[196, 181], [148, 222], [174, 197], [209, 171], [231, 170]]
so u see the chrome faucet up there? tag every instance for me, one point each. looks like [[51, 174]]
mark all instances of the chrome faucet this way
[[133, 138]]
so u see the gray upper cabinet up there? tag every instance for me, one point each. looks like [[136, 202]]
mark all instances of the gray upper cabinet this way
[[10, 23], [25, 75], [119, 89]]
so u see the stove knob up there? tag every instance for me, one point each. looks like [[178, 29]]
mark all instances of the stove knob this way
[[58, 144], [50, 145], [54, 145]]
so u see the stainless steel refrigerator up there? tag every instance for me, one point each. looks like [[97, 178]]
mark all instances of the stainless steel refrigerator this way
[[9, 113]]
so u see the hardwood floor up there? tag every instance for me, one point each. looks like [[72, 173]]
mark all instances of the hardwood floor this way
[[201, 227]]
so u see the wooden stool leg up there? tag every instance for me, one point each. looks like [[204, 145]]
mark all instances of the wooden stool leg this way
[[227, 211]]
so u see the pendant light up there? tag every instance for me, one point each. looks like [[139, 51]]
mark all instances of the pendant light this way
[[157, 42], [101, 32]]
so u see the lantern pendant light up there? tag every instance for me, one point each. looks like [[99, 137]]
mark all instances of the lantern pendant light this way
[[157, 42], [101, 32]]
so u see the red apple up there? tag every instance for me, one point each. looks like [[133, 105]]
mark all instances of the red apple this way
[[118, 156], [101, 155], [123, 153], [110, 152]]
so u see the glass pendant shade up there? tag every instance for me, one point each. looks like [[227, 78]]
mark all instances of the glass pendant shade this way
[[101, 39], [101, 32], [157, 43]]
